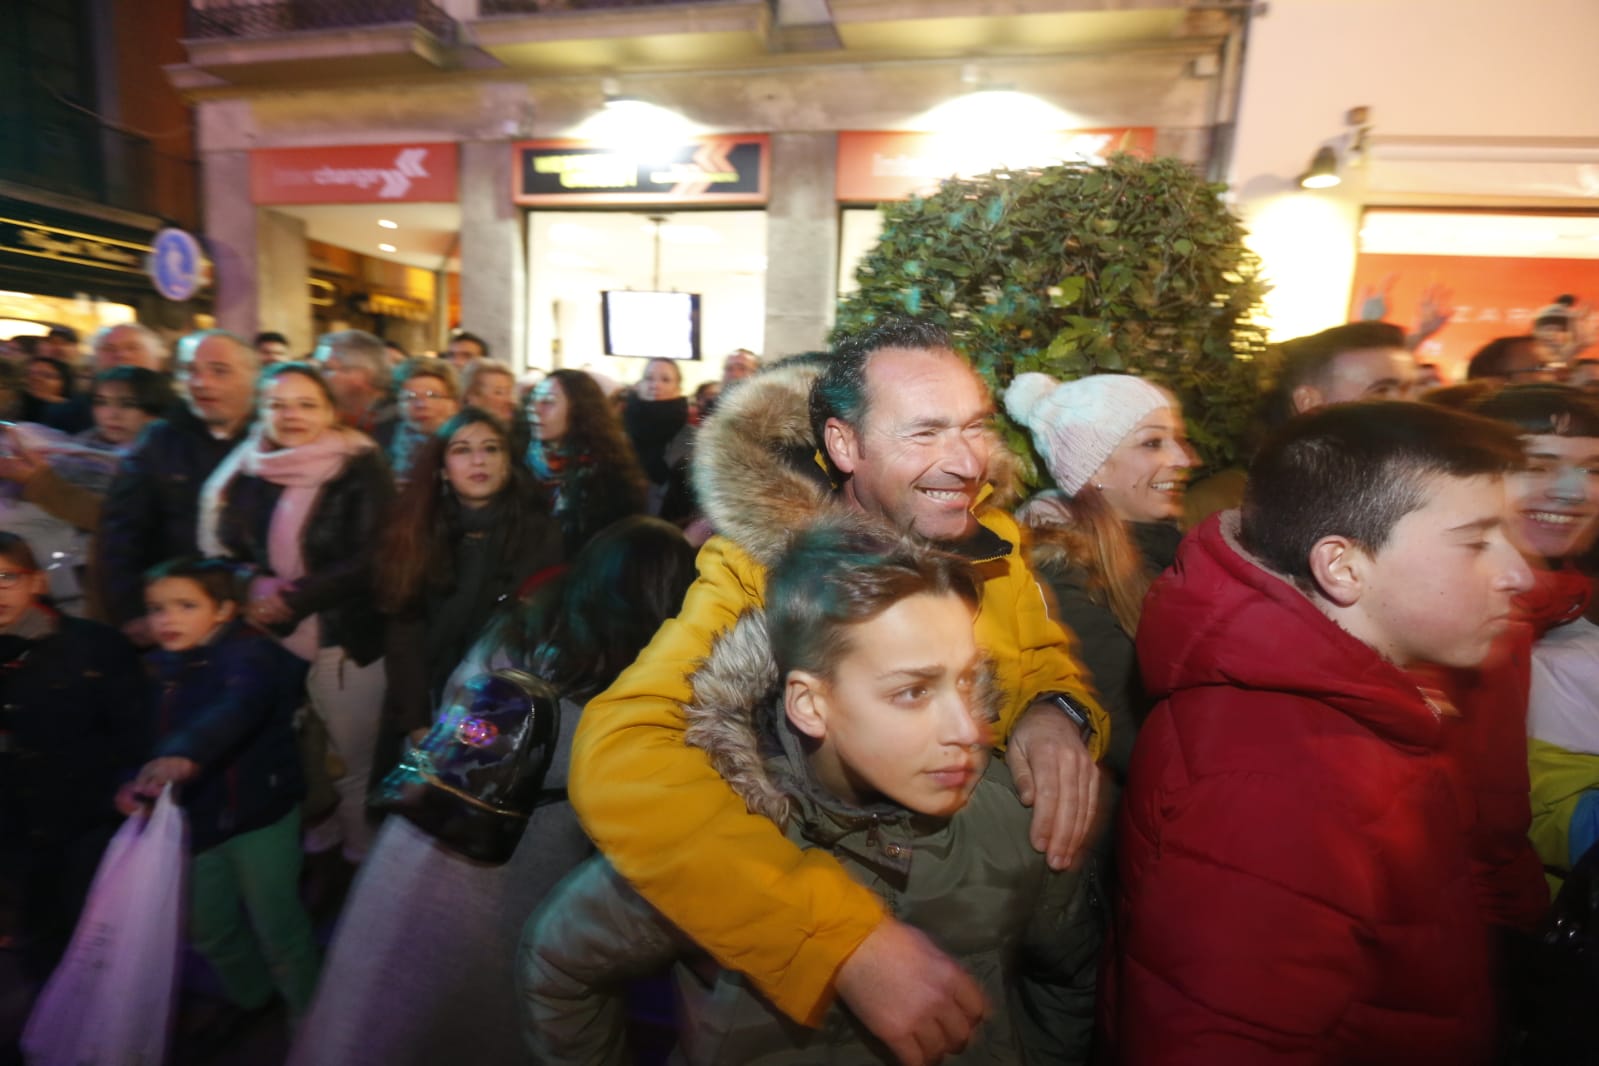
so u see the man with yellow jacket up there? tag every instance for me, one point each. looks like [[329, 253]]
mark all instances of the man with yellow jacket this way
[[903, 424]]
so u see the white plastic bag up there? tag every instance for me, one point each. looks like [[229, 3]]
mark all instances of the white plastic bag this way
[[109, 1003]]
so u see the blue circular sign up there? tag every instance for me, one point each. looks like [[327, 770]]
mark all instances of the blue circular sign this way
[[176, 264]]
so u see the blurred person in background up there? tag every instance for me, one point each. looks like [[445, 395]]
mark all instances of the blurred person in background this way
[[654, 416], [580, 457], [467, 533], [297, 506], [491, 386], [464, 349], [151, 509], [128, 344], [427, 393], [355, 364], [272, 348]]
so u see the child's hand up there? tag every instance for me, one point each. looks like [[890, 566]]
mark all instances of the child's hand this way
[[128, 800], [170, 769]]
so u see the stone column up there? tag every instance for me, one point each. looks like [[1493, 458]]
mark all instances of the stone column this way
[[283, 267], [801, 243], [493, 252], [230, 232]]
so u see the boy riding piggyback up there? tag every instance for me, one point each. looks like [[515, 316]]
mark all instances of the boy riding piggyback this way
[[854, 712]]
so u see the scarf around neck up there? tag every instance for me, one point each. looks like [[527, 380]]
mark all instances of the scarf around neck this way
[[300, 472]]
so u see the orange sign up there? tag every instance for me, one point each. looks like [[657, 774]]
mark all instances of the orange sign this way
[[878, 166], [354, 174], [718, 169], [1492, 297]]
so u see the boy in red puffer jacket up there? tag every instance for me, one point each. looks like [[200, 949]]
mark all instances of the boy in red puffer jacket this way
[[1295, 867]]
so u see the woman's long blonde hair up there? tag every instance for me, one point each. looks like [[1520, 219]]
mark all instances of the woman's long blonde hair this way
[[1084, 531]]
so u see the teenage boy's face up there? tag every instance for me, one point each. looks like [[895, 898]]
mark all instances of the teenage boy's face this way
[[1439, 591], [899, 718], [182, 614], [1554, 502]]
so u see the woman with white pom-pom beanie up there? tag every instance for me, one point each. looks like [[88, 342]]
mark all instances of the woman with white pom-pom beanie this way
[[1118, 453]]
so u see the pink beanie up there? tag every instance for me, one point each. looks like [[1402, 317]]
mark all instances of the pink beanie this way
[[1077, 424]]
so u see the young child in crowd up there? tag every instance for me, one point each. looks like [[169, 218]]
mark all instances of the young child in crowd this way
[[1296, 868], [224, 697], [854, 712]]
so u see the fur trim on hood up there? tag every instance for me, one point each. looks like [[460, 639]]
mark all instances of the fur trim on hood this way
[[732, 715], [755, 469]]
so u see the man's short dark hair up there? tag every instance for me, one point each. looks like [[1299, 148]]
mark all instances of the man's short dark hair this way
[[1308, 360], [834, 576], [473, 338], [1543, 409], [840, 392], [270, 337], [1496, 359], [1354, 470]]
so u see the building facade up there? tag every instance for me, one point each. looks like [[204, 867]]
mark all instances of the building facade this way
[[472, 153]]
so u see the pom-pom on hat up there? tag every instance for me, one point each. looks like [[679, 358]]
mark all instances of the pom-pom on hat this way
[[1077, 424]]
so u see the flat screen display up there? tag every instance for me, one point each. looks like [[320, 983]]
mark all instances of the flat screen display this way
[[651, 325]]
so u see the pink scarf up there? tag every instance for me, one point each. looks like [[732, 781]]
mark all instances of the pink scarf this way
[[301, 472]]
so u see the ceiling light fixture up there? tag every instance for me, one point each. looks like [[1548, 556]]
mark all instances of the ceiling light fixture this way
[[388, 223], [387, 248]]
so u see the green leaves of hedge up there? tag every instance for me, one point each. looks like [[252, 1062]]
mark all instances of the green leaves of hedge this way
[[1133, 266]]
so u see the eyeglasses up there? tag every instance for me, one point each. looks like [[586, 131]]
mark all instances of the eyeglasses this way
[[10, 578], [418, 397]]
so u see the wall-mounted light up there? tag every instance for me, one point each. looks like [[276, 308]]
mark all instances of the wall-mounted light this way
[[1350, 150], [1323, 171]]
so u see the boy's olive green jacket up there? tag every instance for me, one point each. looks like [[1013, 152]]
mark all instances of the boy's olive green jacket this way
[[786, 918], [972, 883]]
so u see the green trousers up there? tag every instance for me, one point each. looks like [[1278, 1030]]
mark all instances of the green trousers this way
[[246, 919]]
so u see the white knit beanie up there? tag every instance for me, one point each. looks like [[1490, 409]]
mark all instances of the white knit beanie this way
[[1077, 424]]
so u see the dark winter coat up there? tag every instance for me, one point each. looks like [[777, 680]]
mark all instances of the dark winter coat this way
[[74, 725], [151, 511], [1295, 877], [338, 546], [423, 645], [229, 706], [972, 883], [1103, 646]]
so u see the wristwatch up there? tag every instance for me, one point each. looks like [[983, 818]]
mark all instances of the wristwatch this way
[[1072, 709]]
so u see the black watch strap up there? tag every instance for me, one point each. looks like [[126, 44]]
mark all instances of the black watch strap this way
[[1072, 709]]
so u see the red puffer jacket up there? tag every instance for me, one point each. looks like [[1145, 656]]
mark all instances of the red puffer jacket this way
[[1486, 744], [1295, 876]]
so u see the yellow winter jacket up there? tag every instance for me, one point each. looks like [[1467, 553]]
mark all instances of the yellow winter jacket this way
[[1560, 779], [676, 830]]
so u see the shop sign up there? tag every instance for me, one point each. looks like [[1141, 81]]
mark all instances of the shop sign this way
[[1491, 296], [874, 167], [37, 241], [717, 169], [177, 266], [384, 305], [354, 174]]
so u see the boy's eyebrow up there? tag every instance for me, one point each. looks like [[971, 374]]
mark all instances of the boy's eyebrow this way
[[913, 673], [1481, 525]]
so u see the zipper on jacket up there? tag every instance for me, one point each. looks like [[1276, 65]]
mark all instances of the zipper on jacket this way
[[873, 839]]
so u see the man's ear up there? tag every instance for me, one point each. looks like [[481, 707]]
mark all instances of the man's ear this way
[[805, 703], [1306, 398], [842, 445], [1338, 566], [229, 609]]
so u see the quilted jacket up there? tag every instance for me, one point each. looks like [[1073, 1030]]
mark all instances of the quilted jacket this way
[[1296, 881]]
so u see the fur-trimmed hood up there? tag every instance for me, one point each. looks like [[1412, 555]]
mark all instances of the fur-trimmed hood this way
[[756, 470], [733, 718]]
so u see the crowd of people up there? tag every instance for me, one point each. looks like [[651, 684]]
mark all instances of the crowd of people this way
[[857, 755]]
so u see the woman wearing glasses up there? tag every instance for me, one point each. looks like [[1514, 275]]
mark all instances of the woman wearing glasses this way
[[468, 533], [428, 393]]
